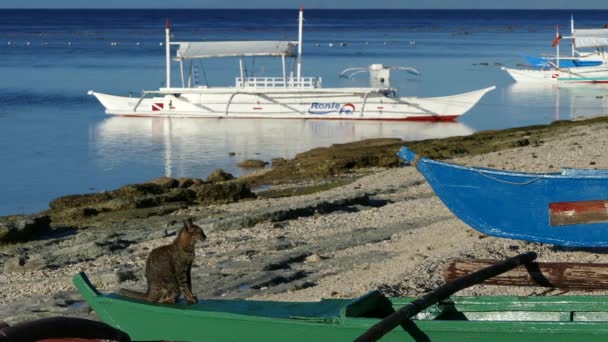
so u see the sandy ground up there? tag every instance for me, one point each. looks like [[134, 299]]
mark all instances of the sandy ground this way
[[419, 254]]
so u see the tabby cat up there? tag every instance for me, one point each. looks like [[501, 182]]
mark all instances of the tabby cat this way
[[168, 268]]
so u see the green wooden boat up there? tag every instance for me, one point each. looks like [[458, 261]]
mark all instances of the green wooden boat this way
[[557, 318]]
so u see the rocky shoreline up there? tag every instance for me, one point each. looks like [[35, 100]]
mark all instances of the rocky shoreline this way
[[333, 222]]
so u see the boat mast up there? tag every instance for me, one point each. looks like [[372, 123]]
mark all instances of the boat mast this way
[[557, 46], [572, 42], [168, 54], [300, 22]]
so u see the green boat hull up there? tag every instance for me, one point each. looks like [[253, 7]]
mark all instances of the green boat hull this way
[[564, 318]]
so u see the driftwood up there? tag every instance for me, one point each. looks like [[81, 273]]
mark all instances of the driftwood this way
[[563, 275], [403, 315]]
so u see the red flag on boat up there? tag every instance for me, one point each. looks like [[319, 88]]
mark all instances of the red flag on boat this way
[[557, 36]]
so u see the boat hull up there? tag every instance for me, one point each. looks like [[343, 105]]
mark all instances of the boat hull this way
[[564, 75], [332, 104], [569, 208], [576, 318]]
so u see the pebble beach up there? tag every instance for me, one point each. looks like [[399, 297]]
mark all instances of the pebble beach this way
[[386, 230]]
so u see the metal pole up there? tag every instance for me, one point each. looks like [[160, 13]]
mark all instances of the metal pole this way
[[557, 46], [242, 73], [190, 75], [181, 69], [300, 23], [284, 71], [557, 57], [168, 53], [572, 42]]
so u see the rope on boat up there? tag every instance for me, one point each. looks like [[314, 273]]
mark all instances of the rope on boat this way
[[507, 182], [415, 161]]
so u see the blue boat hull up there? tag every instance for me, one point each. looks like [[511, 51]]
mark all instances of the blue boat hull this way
[[569, 208], [542, 62]]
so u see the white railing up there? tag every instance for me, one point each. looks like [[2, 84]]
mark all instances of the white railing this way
[[278, 82]]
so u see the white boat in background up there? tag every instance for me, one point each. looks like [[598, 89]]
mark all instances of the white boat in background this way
[[578, 58], [287, 96], [590, 74], [580, 38]]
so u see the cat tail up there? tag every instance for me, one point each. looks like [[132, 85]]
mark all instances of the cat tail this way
[[133, 294]]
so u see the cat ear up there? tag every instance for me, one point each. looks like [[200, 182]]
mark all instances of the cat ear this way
[[188, 224]]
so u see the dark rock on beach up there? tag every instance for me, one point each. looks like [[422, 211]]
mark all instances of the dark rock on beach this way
[[167, 183], [252, 164], [22, 227], [219, 175]]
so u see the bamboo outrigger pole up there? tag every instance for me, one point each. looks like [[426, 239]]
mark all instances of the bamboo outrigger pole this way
[[405, 313]]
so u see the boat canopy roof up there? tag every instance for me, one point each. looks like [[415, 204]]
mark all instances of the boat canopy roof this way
[[195, 50], [591, 38]]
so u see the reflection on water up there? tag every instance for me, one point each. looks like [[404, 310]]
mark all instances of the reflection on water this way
[[193, 147], [586, 101], [562, 102]]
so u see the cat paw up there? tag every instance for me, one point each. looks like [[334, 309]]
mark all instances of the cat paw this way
[[192, 300], [167, 301]]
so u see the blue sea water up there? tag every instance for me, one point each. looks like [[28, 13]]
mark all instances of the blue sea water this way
[[56, 140]]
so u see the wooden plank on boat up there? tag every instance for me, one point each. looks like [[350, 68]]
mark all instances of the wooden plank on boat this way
[[401, 316], [564, 275], [565, 213]]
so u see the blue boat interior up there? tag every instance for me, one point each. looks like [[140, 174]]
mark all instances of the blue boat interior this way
[[544, 62]]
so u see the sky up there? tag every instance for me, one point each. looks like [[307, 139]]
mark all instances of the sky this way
[[339, 4]]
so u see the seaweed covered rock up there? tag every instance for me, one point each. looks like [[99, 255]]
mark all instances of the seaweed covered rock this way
[[220, 193], [156, 197], [79, 200], [219, 175], [164, 182], [252, 164], [185, 182], [333, 160]]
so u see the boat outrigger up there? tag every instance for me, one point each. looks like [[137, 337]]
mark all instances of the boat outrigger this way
[[436, 316], [287, 96]]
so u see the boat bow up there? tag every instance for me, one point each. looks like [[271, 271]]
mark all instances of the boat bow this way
[[565, 208], [406, 154]]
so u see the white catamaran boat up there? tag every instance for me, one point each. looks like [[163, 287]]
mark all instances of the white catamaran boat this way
[[287, 96], [581, 38]]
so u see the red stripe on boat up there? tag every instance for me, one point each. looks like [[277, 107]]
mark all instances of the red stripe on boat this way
[[257, 108], [565, 213], [447, 118]]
